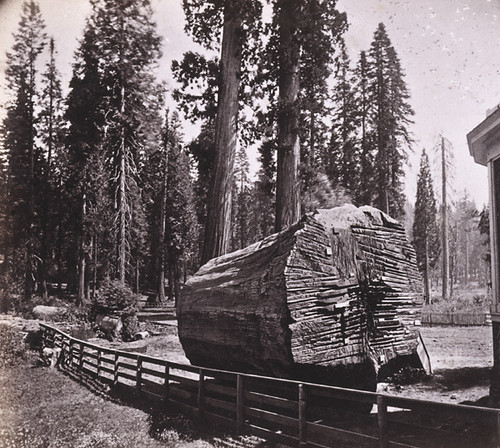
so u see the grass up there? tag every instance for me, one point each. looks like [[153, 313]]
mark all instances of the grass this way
[[41, 407], [470, 299]]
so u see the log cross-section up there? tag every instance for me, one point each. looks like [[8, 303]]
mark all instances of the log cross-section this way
[[335, 293]]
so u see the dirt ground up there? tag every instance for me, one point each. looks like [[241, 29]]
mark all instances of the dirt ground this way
[[461, 358]]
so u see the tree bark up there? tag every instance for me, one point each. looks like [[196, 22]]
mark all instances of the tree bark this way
[[217, 229], [427, 292], [160, 268], [287, 182], [122, 204], [80, 295], [444, 225]]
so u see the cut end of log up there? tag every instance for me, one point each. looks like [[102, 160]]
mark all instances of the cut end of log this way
[[340, 288]]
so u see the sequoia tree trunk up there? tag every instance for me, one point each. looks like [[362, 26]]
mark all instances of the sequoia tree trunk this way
[[217, 229], [287, 182]]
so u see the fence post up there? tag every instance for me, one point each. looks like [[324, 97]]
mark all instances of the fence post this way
[[115, 373], [302, 416], [70, 360], [138, 377], [80, 358], [99, 354], [201, 391], [166, 385], [383, 436], [44, 337], [240, 403], [498, 430]]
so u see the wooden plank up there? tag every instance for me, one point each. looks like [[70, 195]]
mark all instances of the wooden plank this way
[[261, 400], [240, 404], [150, 384], [127, 376], [327, 436], [151, 372], [335, 393], [106, 370], [201, 391], [270, 435], [220, 404], [185, 381], [127, 366], [382, 422], [214, 388], [302, 416], [271, 417], [182, 394], [220, 419]]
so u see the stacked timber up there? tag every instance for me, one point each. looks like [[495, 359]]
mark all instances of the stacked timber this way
[[334, 296]]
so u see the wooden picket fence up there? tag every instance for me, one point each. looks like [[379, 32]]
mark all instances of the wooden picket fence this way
[[455, 318], [288, 412]]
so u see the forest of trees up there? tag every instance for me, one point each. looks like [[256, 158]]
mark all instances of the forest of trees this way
[[97, 181]]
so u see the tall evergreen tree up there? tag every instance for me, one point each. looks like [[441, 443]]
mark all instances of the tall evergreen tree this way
[[52, 128], [128, 51], [180, 217], [425, 227], [343, 159], [85, 115], [390, 116], [321, 29], [20, 130]]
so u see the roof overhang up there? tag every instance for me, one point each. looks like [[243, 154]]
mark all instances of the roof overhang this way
[[484, 139]]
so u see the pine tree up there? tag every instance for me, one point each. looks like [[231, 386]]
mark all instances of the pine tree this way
[[321, 27], [128, 49], [180, 219], [425, 227], [343, 158], [20, 129], [390, 116], [85, 115], [52, 133]]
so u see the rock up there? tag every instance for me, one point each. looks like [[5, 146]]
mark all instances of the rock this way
[[50, 356], [44, 312], [141, 335], [110, 326]]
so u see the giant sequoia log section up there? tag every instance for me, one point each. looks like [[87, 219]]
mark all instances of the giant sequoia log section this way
[[330, 299]]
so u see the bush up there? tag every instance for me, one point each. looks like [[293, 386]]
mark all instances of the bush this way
[[117, 299], [116, 296], [13, 347]]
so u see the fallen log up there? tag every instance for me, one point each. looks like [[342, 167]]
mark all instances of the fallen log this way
[[330, 299]]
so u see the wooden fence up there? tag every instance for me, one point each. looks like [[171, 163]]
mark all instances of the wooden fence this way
[[455, 318], [284, 411]]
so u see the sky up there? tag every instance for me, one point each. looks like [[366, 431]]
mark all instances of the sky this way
[[449, 50]]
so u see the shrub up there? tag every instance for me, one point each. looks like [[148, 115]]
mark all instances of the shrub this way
[[115, 298], [13, 348]]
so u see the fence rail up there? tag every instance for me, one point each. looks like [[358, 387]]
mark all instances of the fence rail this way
[[455, 318], [284, 411]]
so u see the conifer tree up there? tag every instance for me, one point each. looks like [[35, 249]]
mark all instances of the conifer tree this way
[[343, 159], [128, 49], [85, 115], [52, 135], [425, 227], [20, 130], [180, 217], [390, 116]]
